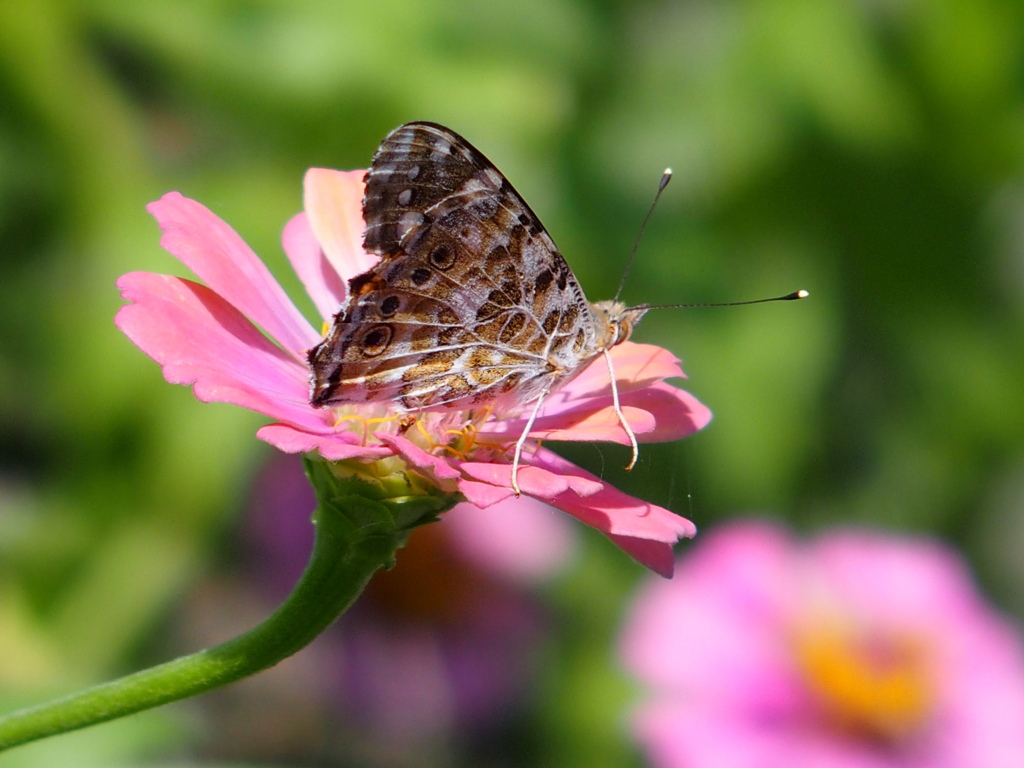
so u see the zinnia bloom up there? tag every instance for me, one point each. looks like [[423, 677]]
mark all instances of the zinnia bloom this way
[[240, 339], [853, 650]]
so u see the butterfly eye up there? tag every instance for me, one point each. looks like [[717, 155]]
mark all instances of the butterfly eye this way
[[623, 330]]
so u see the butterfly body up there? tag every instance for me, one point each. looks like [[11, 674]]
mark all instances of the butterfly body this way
[[471, 303]]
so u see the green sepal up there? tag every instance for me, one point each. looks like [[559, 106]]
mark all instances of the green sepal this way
[[354, 503]]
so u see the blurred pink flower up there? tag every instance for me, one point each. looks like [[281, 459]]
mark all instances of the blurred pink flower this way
[[855, 650], [240, 339]]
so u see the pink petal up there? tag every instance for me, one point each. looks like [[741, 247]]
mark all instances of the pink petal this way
[[334, 204], [317, 274], [199, 338], [533, 480], [591, 421], [523, 538], [676, 412], [636, 366], [657, 413], [923, 580], [656, 555], [437, 467], [599, 425], [222, 260], [483, 495], [337, 446], [621, 517], [737, 590], [645, 362]]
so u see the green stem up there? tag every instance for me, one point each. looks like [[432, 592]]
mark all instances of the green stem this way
[[354, 537]]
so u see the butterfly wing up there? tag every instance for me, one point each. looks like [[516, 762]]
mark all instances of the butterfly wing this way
[[471, 302]]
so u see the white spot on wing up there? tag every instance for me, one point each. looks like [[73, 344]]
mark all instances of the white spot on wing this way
[[442, 148], [409, 220], [494, 177]]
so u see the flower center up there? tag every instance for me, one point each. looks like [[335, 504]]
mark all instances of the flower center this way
[[873, 686], [453, 433]]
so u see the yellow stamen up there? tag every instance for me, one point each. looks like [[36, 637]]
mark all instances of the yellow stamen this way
[[874, 686], [493, 446], [367, 423], [454, 451], [423, 431]]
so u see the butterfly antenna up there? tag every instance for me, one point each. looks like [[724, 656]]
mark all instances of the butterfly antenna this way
[[788, 297], [665, 179]]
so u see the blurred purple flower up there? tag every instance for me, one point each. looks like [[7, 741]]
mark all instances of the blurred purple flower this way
[[853, 650]]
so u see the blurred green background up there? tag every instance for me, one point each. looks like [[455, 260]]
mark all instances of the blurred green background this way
[[870, 152]]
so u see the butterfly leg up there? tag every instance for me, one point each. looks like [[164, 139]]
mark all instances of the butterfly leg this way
[[522, 441], [618, 412]]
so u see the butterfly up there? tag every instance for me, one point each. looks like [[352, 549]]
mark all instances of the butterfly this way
[[471, 303]]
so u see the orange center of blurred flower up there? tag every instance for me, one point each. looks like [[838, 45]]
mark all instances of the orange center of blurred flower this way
[[430, 582], [872, 686]]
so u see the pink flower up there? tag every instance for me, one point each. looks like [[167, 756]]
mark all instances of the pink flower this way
[[855, 650], [240, 339]]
